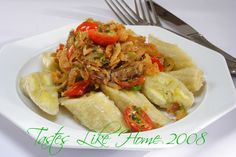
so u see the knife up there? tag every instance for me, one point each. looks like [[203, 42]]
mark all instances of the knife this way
[[183, 29]]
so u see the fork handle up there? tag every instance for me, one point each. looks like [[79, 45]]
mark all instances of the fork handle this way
[[231, 61]]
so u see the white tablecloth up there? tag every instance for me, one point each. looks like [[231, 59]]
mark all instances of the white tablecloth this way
[[215, 19]]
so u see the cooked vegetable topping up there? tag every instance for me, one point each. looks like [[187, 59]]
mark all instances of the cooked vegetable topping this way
[[77, 89], [102, 39], [70, 51], [168, 64], [129, 84], [159, 64], [137, 119], [178, 110], [104, 53], [60, 47], [136, 88], [85, 26]]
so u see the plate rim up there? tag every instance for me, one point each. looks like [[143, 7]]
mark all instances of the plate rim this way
[[219, 56]]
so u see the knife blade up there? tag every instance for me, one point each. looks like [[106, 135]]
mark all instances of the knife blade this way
[[179, 25], [182, 28]]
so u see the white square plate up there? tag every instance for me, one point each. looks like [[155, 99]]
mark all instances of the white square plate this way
[[22, 57]]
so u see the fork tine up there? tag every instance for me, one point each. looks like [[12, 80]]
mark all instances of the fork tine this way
[[154, 13], [120, 17], [148, 13], [115, 12], [127, 13], [136, 15], [143, 13], [136, 7]]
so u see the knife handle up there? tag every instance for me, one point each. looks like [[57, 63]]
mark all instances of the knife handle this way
[[230, 60], [232, 67]]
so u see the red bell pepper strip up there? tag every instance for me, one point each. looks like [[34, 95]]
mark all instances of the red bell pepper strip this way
[[77, 89], [129, 85], [156, 60]]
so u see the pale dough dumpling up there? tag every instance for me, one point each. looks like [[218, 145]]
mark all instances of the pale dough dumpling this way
[[180, 58], [97, 112], [191, 77], [163, 90], [40, 89], [124, 98]]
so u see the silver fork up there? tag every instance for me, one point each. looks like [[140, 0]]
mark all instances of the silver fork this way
[[147, 15], [141, 15]]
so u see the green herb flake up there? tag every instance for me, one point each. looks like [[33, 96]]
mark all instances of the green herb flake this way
[[135, 118], [95, 49], [137, 109], [98, 56], [79, 33], [136, 88], [79, 78], [111, 33], [105, 62], [99, 29], [107, 31]]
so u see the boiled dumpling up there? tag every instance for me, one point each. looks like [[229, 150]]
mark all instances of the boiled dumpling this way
[[180, 58], [163, 89], [97, 112], [191, 77], [41, 90], [124, 98]]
